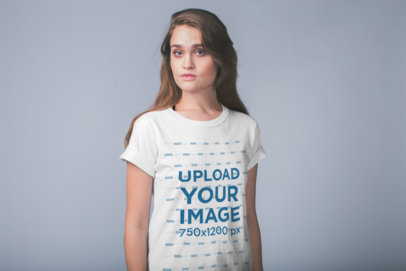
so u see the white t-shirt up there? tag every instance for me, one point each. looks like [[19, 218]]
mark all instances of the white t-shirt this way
[[199, 220]]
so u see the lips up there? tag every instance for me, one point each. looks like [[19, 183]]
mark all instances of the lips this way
[[188, 75]]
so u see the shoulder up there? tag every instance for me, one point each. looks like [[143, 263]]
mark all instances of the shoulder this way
[[150, 123], [151, 117], [243, 119]]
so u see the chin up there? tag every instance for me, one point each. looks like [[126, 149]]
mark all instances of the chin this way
[[189, 89]]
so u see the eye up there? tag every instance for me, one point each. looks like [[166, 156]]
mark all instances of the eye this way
[[203, 52], [174, 52]]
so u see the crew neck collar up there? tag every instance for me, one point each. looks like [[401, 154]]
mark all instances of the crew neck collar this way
[[202, 123]]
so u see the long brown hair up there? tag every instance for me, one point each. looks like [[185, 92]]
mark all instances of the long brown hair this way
[[218, 44]]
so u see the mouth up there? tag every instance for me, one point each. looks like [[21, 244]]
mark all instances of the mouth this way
[[188, 76]]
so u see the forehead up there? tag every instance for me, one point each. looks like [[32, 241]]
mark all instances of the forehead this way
[[185, 36]]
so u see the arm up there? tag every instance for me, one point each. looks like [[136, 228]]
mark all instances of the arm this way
[[253, 226], [139, 189]]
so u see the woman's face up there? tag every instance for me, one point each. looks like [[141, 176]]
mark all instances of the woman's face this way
[[188, 56]]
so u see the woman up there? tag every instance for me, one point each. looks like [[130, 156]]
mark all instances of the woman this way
[[196, 151]]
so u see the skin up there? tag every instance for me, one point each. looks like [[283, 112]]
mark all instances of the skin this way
[[198, 102], [139, 192]]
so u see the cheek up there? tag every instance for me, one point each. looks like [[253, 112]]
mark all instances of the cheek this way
[[210, 68], [171, 64], [175, 69]]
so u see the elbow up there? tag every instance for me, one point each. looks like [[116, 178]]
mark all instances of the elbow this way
[[139, 224]]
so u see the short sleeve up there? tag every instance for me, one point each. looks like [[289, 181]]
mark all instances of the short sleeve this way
[[142, 148], [255, 150]]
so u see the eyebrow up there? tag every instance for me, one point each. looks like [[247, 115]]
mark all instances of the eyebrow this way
[[193, 46]]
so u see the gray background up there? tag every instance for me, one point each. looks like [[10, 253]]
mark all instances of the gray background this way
[[324, 79]]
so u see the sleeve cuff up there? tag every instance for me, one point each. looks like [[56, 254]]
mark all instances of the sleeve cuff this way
[[139, 163], [256, 157]]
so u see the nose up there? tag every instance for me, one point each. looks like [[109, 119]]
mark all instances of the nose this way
[[188, 62]]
